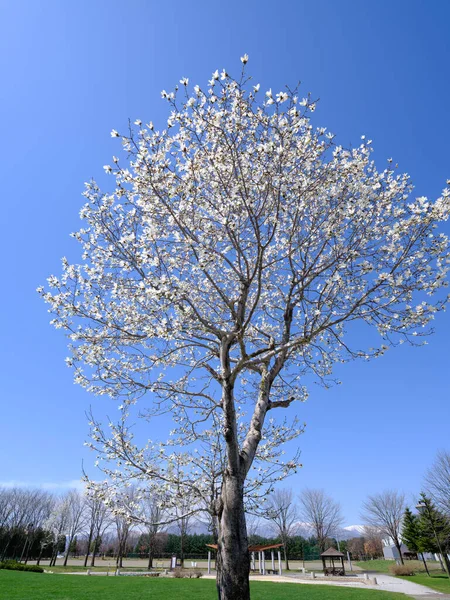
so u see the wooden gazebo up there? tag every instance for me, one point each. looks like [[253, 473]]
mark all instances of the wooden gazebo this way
[[259, 551], [331, 555]]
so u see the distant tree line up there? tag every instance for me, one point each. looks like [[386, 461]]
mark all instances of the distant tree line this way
[[38, 526]]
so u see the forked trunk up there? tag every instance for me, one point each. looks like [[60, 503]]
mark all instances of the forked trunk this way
[[233, 559]]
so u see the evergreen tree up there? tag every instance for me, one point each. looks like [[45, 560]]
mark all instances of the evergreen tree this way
[[412, 535], [435, 530], [411, 530]]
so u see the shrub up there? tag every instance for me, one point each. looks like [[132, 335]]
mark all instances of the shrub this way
[[13, 565], [179, 573], [402, 570]]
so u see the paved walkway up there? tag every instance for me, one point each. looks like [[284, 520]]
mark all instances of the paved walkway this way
[[394, 584], [433, 595]]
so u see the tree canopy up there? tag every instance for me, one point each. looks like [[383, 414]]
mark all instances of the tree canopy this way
[[236, 248]]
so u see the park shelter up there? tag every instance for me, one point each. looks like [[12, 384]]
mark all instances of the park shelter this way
[[260, 551], [331, 555]]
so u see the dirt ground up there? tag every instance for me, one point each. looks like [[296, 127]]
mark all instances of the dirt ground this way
[[134, 563]]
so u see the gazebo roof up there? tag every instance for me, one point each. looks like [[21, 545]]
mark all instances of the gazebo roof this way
[[261, 547], [257, 548], [332, 553]]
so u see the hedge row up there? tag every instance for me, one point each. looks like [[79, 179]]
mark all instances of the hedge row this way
[[12, 565]]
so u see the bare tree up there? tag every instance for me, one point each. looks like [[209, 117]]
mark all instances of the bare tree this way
[[123, 528], [41, 506], [438, 481], [356, 548], [57, 524], [322, 513], [253, 522], [154, 511], [385, 511], [184, 521], [373, 545], [22, 513], [97, 520], [76, 518], [283, 515], [124, 525]]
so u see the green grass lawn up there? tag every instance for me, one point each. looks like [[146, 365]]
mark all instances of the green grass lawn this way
[[437, 581], [382, 566], [35, 586]]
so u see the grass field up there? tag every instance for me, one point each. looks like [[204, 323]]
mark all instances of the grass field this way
[[34, 586], [382, 566]]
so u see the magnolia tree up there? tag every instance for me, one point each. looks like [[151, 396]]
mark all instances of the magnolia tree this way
[[238, 246]]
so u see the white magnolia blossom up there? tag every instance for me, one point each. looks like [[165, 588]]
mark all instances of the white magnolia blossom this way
[[238, 247]]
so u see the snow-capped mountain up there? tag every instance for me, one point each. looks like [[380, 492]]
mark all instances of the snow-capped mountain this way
[[352, 531]]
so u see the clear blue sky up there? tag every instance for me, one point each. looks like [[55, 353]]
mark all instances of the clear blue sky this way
[[72, 71]]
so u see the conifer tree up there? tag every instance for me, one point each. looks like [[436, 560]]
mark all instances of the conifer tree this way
[[434, 529], [412, 535]]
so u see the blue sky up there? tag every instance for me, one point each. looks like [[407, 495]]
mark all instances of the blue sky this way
[[72, 71]]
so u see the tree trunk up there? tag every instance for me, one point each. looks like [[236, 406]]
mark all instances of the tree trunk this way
[[5, 550], [425, 564], [399, 548], [23, 550], [446, 563], [286, 560], [54, 556], [40, 556], [88, 548], [27, 551], [66, 556], [233, 559], [119, 560], [120, 553]]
